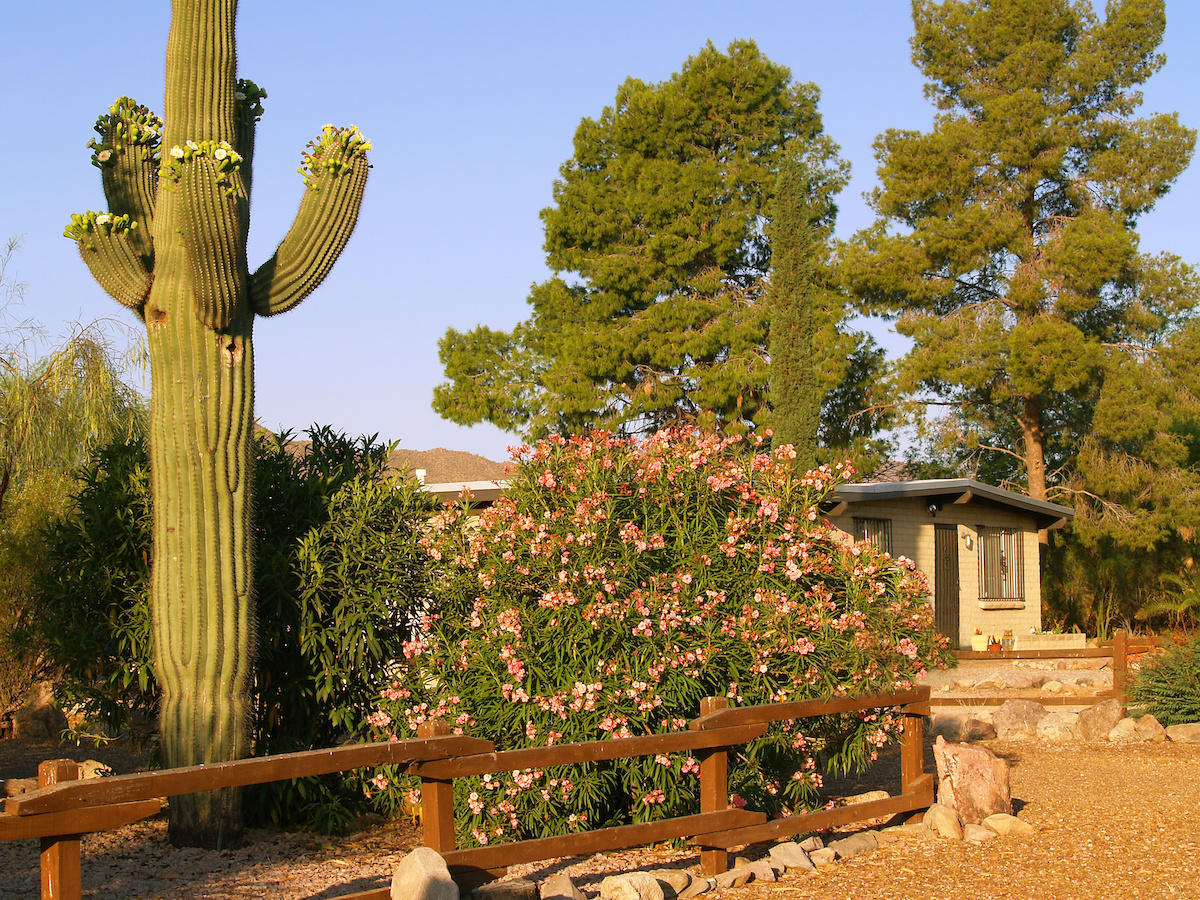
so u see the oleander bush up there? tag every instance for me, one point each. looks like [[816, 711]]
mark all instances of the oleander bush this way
[[615, 584], [1167, 685]]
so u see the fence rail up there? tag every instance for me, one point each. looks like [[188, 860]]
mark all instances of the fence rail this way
[[63, 807]]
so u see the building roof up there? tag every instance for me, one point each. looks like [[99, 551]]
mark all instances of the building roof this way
[[939, 492]]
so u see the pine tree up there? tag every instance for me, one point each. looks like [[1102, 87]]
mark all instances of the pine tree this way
[[1015, 267], [656, 314]]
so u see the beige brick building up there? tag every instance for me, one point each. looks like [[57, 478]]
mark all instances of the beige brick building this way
[[977, 544]]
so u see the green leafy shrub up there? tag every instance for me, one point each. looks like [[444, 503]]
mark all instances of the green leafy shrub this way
[[1168, 684], [339, 572], [616, 584]]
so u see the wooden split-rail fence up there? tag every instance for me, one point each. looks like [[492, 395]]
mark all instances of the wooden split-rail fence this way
[[63, 807]]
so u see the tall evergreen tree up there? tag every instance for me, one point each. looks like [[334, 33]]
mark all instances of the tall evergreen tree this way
[[797, 243], [1015, 268], [656, 314]]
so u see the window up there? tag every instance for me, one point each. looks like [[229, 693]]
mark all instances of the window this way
[[877, 531], [1001, 567]]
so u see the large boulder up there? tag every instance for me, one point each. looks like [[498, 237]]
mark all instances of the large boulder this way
[[1097, 721], [423, 875], [1018, 719], [1186, 733], [972, 781]]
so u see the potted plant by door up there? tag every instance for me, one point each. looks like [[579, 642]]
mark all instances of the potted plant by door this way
[[993, 644]]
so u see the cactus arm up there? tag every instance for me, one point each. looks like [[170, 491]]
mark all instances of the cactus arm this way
[[250, 109], [335, 176], [127, 156], [107, 244]]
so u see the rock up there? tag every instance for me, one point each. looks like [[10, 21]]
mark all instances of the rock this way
[[869, 797], [823, 857], [631, 886], [675, 880], [512, 889], [972, 781], [903, 832], [93, 768], [1097, 721], [791, 856], [977, 834], [1017, 719], [1016, 680], [942, 821], [732, 878], [1004, 824], [1052, 687], [811, 843], [423, 875], [853, 845], [561, 887], [27, 725], [697, 887], [1124, 732], [1187, 733], [1057, 727], [14, 787], [1149, 729], [762, 870], [977, 728]]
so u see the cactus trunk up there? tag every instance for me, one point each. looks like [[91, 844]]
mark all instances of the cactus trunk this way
[[173, 249], [201, 583]]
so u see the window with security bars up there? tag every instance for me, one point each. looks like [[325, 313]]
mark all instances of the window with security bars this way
[[1001, 569], [877, 531]]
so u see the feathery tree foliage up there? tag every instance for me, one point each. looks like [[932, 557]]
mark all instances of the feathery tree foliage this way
[[657, 314], [54, 408], [172, 248], [1015, 267]]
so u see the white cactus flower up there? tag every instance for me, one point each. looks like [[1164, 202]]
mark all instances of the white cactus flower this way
[[177, 152]]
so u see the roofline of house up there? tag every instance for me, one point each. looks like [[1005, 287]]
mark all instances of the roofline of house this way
[[953, 491]]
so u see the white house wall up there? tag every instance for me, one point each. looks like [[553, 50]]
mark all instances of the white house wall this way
[[912, 536]]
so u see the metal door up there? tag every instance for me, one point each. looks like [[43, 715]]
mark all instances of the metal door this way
[[945, 581]]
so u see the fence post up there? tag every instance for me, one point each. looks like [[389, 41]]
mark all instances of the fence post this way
[[437, 798], [912, 750], [1120, 662], [61, 877], [714, 790]]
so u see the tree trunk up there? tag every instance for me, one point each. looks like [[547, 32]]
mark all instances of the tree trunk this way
[[1033, 443]]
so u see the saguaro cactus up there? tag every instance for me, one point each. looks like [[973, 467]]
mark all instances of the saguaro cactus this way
[[172, 247]]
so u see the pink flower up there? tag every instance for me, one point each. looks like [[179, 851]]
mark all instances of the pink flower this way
[[736, 802]]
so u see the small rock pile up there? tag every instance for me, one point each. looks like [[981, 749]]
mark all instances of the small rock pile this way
[[1062, 677], [1019, 720], [420, 877]]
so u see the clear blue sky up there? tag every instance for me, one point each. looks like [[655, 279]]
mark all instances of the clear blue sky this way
[[471, 108]]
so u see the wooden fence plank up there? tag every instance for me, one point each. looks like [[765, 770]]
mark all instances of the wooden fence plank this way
[[76, 821], [617, 838], [589, 751], [815, 821], [804, 709], [190, 779]]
